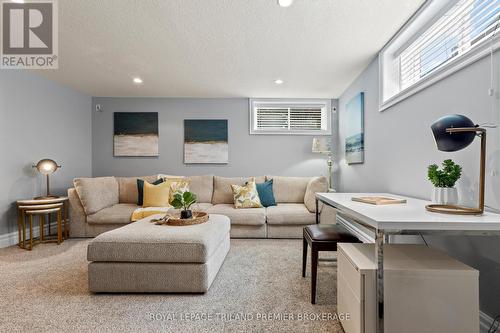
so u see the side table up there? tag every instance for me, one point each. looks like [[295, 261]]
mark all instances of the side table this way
[[42, 207]]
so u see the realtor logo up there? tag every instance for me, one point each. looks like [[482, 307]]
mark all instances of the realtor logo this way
[[29, 35]]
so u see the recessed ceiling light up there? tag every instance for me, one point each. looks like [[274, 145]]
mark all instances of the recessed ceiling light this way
[[17, 1], [278, 81], [137, 80], [285, 3]]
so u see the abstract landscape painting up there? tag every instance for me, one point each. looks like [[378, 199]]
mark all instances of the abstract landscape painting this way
[[355, 136], [205, 141], [136, 134]]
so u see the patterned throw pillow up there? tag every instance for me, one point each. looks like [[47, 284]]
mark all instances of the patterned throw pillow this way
[[246, 196], [178, 187]]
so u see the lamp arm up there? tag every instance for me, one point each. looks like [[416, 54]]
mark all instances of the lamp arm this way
[[465, 129]]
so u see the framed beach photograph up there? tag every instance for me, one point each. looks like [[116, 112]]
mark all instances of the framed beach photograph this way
[[355, 130], [135, 134], [205, 141]]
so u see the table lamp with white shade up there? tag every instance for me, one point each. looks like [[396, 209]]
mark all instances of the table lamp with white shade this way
[[323, 145], [47, 167]]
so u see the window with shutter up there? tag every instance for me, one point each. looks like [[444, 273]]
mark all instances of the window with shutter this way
[[290, 117], [441, 38]]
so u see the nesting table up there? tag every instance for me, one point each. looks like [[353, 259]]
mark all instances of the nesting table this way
[[410, 218], [27, 209]]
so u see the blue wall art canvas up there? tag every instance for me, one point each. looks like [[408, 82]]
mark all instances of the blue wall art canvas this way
[[205, 141], [355, 130], [135, 134]]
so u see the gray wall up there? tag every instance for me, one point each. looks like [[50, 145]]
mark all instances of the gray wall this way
[[248, 154], [39, 119], [399, 147]]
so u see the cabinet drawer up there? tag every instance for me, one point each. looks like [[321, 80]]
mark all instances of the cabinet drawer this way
[[350, 274], [349, 304]]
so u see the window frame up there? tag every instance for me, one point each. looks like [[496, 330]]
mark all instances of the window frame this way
[[326, 104], [427, 14]]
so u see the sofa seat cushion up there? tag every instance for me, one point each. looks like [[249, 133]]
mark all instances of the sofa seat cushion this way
[[290, 214], [240, 216], [116, 214], [143, 241], [201, 206]]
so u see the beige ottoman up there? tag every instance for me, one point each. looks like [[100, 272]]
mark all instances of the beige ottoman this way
[[144, 257]]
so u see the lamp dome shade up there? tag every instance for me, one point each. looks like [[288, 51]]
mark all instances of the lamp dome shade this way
[[46, 166], [322, 145], [450, 142]]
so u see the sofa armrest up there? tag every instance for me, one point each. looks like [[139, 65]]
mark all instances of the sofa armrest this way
[[77, 216], [315, 185]]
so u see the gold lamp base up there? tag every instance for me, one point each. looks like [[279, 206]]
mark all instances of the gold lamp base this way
[[453, 209]]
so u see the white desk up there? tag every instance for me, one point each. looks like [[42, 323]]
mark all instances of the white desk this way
[[403, 219]]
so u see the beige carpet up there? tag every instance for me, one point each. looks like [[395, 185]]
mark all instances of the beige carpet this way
[[46, 291]]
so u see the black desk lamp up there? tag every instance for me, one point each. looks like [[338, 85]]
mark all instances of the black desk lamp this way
[[452, 133]]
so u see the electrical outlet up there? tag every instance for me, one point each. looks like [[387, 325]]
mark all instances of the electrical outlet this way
[[493, 173], [490, 92]]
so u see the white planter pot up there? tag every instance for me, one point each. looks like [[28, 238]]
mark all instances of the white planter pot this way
[[445, 195]]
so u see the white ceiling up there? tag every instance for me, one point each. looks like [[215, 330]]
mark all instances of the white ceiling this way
[[221, 48]]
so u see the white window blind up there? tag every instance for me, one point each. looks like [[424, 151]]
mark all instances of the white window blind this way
[[464, 25], [443, 37], [287, 117]]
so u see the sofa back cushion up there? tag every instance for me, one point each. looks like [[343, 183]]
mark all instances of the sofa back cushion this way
[[127, 188], [315, 185], [289, 189], [223, 193], [97, 193], [202, 186]]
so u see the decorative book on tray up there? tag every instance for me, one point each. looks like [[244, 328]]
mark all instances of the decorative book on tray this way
[[379, 200]]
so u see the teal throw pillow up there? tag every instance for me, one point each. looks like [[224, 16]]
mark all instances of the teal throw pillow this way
[[266, 195]]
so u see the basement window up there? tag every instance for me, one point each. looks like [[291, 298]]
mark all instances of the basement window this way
[[290, 117], [441, 38]]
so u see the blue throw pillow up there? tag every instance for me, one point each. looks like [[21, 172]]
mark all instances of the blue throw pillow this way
[[266, 195], [140, 189]]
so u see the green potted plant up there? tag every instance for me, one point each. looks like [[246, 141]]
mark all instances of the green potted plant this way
[[444, 182], [184, 201]]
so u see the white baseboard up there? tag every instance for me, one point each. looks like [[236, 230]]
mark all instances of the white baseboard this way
[[485, 322], [12, 238]]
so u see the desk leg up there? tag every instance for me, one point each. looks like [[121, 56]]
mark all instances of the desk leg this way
[[317, 211], [379, 254]]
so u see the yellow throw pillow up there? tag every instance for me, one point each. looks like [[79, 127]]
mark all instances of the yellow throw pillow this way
[[246, 196], [179, 186], [156, 195]]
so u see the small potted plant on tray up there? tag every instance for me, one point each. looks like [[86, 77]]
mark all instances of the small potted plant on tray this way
[[444, 182], [184, 201]]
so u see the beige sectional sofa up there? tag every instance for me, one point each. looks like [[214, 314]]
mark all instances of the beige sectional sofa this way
[[105, 203]]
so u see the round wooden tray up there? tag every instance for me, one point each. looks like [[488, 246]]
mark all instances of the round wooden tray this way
[[174, 219]]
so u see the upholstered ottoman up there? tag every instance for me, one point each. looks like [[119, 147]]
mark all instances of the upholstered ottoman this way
[[144, 257]]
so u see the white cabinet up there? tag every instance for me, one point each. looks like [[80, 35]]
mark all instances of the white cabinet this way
[[425, 290]]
